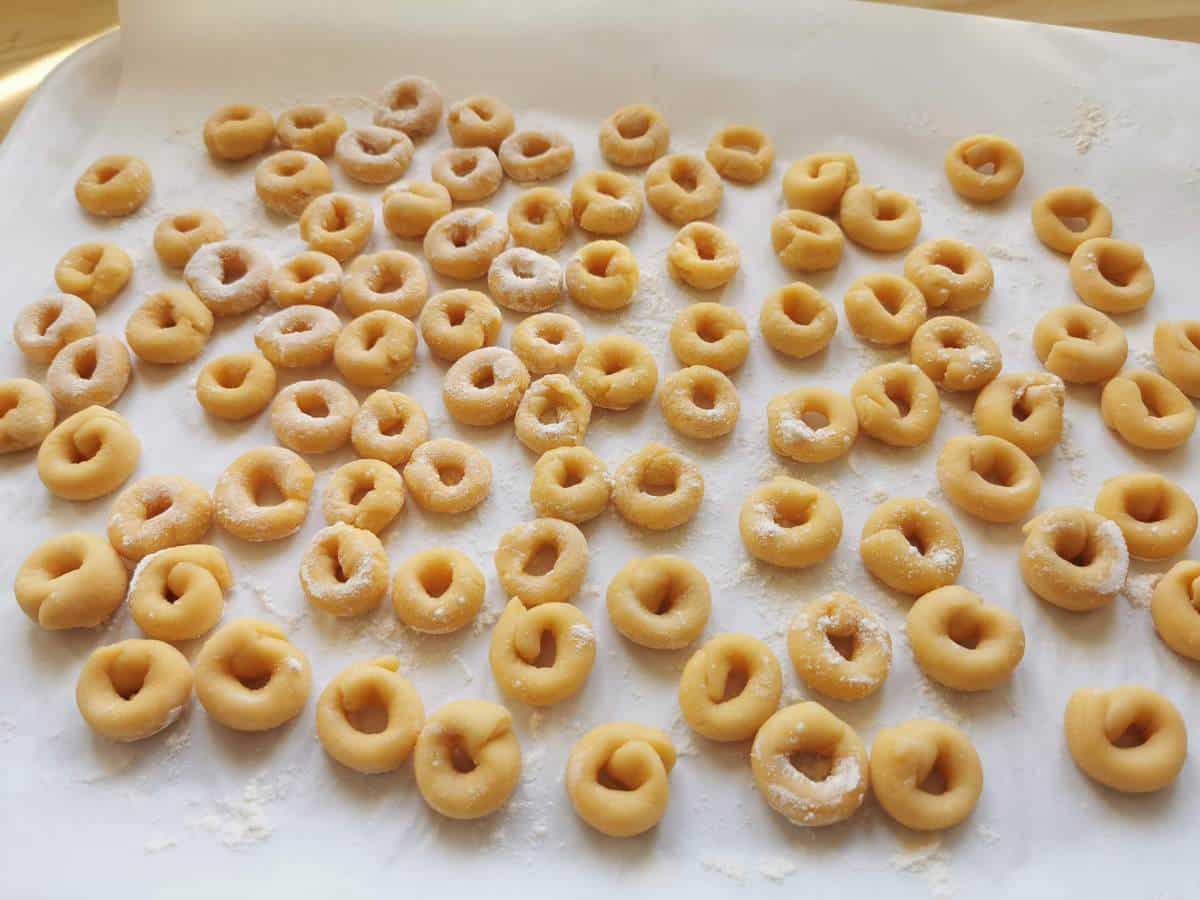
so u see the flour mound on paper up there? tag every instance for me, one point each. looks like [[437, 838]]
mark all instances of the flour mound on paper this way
[[241, 821], [926, 857], [1090, 127], [1139, 589]]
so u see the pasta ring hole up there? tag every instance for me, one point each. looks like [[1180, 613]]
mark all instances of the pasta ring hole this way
[[461, 234], [463, 166], [571, 475], [296, 326], [156, 506], [337, 216], [85, 362], [935, 781], [460, 758], [1078, 328], [900, 393], [606, 779], [481, 109], [1078, 553], [661, 598], [551, 414], [845, 644], [887, 209], [164, 317], [535, 212], [735, 683], [63, 563], [105, 174], [47, 316], [997, 470], [813, 766], [82, 452], [484, 377], [232, 376], [552, 334], [287, 168], [633, 125], [1191, 333], [597, 262], [436, 578], [267, 493], [706, 247], [684, 175], [369, 715], [1116, 271], [449, 473], [658, 481], [964, 630], [186, 222], [814, 419], [1148, 508], [88, 260], [456, 314], [542, 560], [793, 511], [950, 257], [251, 670], [547, 651], [233, 267], [128, 676], [1075, 223], [312, 405], [710, 330], [403, 98], [307, 119], [1135, 734], [916, 540], [533, 145], [704, 396], [8, 402], [799, 308]]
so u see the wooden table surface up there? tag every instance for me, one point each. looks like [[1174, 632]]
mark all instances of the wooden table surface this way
[[35, 35]]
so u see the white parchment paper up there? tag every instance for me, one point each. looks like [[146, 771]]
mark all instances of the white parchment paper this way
[[199, 808]]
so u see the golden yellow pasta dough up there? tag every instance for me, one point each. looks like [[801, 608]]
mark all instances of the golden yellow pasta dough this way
[[238, 131], [951, 275], [96, 273], [369, 716], [1175, 606], [178, 594], [542, 656], [543, 561], [618, 777], [817, 182], [1113, 276], [114, 186], [570, 483], [467, 759], [389, 426], [984, 168], [1177, 352], [479, 121], [29, 414], [884, 308], [437, 591], [616, 372], [1080, 344], [699, 402], [709, 334], [989, 477], [1074, 558], [911, 545], [703, 256], [1156, 516], [882, 220], [741, 153], [897, 403], [657, 488], [1147, 410], [797, 321], [74, 580], [236, 386], [448, 476], [170, 327], [255, 475], [133, 689], [963, 642], [46, 326], [1025, 408], [839, 647], [660, 602], [926, 774], [811, 424], [1130, 738], [365, 493], [682, 188], [634, 135], [159, 512], [955, 353], [1053, 210], [788, 522], [730, 687], [88, 454], [344, 571]]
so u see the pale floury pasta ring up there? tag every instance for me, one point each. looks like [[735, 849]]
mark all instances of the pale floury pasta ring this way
[[1025, 408], [963, 642], [365, 493], [884, 308], [179, 236], [313, 416], [634, 135], [73, 580], [811, 425], [1175, 607], [1112, 276], [741, 153], [817, 182], [453, 323], [159, 512], [298, 336], [926, 774], [788, 522], [411, 104], [1156, 516], [703, 256], [170, 327], [657, 488], [310, 278], [839, 647], [988, 477], [524, 280], [344, 571], [897, 403], [522, 666], [618, 777], [911, 546], [374, 155], [543, 561], [535, 155], [46, 326], [411, 207], [88, 454], [831, 782], [250, 677], [540, 219], [570, 483], [709, 334], [287, 181], [312, 127], [699, 402], [337, 224], [683, 187], [238, 131], [1177, 353], [660, 602], [878, 219], [951, 275], [369, 716], [984, 168], [1080, 344], [391, 280], [1147, 410], [389, 426], [133, 689], [1130, 738], [376, 348], [230, 277], [235, 498], [730, 687], [437, 591], [797, 321], [552, 413], [606, 203], [463, 242], [806, 241], [602, 275], [469, 174], [467, 759], [114, 186], [956, 353], [448, 476], [479, 121], [548, 343], [485, 386], [92, 371], [1054, 209], [236, 386], [616, 372], [178, 594], [30, 414], [1074, 558], [95, 273]]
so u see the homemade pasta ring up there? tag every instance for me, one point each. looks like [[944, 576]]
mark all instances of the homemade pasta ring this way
[[570, 483], [904, 757], [878, 219], [729, 687], [817, 182], [638, 760], [437, 591], [1147, 410], [1074, 558], [234, 498], [543, 561], [963, 642], [1175, 607], [884, 308], [657, 488], [911, 546], [897, 403], [839, 647], [467, 760], [517, 657], [988, 477], [1025, 408], [955, 353], [178, 594], [1111, 276], [797, 320], [133, 689], [350, 708], [1052, 208], [950, 274], [790, 434], [1156, 516], [448, 476], [790, 523], [660, 602], [88, 454], [968, 161], [1130, 738], [1080, 344]]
